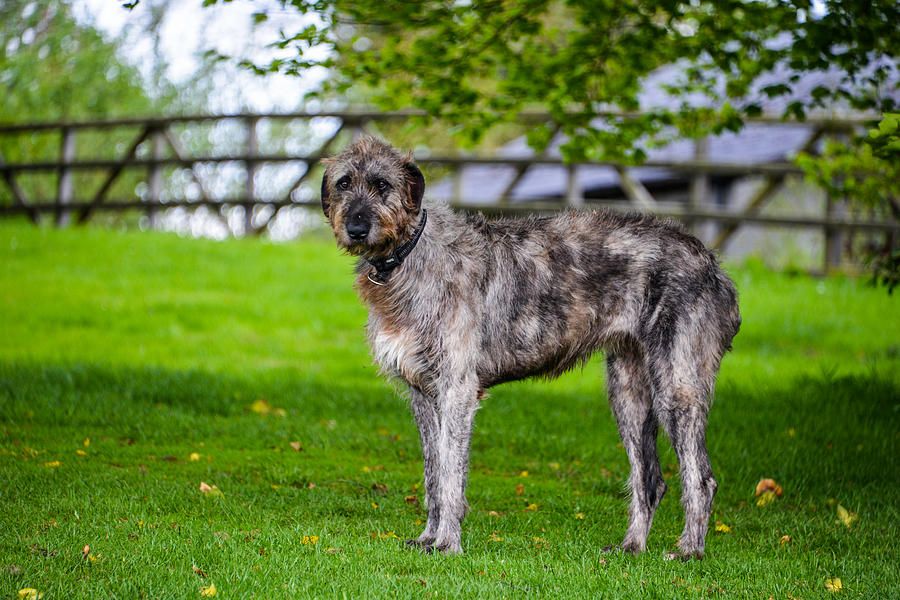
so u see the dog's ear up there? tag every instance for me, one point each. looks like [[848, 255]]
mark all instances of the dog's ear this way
[[416, 184], [326, 203]]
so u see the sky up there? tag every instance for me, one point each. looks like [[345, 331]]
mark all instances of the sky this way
[[189, 29]]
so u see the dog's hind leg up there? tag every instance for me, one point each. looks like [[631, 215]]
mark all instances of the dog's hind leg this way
[[427, 416], [630, 397], [682, 390]]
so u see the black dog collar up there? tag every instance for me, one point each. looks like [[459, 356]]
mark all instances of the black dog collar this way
[[384, 266]]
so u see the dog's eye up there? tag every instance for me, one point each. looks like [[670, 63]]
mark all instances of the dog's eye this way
[[343, 183], [382, 185]]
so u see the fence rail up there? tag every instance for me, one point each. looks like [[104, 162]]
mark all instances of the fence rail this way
[[155, 147]]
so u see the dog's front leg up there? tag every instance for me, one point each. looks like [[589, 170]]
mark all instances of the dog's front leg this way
[[425, 411], [458, 401]]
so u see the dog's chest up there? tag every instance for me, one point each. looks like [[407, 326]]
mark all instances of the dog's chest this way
[[397, 351]]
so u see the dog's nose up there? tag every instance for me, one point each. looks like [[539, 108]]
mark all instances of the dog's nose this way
[[358, 228]]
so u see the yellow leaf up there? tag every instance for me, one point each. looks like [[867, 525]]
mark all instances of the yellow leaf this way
[[766, 498], [261, 407], [834, 585], [523, 474], [86, 442], [53, 464], [297, 446], [210, 490], [310, 540], [279, 412], [532, 507], [785, 539], [846, 517], [520, 489], [554, 466], [194, 457], [30, 594], [80, 452], [208, 591], [722, 527], [579, 516], [493, 513], [495, 538], [768, 485]]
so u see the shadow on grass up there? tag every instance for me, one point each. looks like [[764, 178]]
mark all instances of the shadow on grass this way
[[821, 434]]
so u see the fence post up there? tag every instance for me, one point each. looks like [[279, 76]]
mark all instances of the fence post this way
[[834, 236], [699, 193], [250, 186], [574, 197], [64, 182], [154, 177]]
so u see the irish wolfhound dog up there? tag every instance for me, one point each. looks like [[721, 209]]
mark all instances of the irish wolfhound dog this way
[[458, 303]]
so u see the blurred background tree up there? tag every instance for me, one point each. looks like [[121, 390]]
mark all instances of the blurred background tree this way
[[477, 65]]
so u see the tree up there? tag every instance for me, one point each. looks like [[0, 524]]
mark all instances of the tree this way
[[476, 64], [479, 63]]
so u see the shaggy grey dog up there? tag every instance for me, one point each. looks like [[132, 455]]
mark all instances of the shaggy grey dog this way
[[458, 303]]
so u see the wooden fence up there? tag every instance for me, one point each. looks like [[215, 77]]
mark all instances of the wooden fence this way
[[156, 146]]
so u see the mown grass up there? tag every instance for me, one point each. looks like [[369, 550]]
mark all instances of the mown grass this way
[[155, 347]]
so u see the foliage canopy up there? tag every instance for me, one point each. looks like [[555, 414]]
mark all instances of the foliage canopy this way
[[479, 63]]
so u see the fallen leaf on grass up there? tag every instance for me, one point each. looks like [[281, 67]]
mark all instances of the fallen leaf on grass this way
[[579, 516], [834, 584], [198, 571], [523, 474], [374, 506], [80, 452], [532, 507], [554, 466], [309, 540], [208, 591], [845, 516], [194, 456], [262, 407], [53, 464], [768, 485], [86, 442], [414, 500], [30, 594], [495, 538], [520, 489], [85, 551], [540, 543], [384, 535], [766, 498], [722, 527], [297, 446], [785, 539], [380, 488], [210, 490]]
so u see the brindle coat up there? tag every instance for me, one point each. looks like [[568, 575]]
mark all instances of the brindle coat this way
[[479, 302]]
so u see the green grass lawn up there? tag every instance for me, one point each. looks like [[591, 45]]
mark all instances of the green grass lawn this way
[[131, 363]]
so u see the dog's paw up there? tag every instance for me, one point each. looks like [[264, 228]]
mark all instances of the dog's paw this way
[[632, 547], [418, 542], [623, 548], [443, 547]]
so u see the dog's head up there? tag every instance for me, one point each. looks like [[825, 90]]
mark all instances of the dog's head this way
[[371, 194]]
